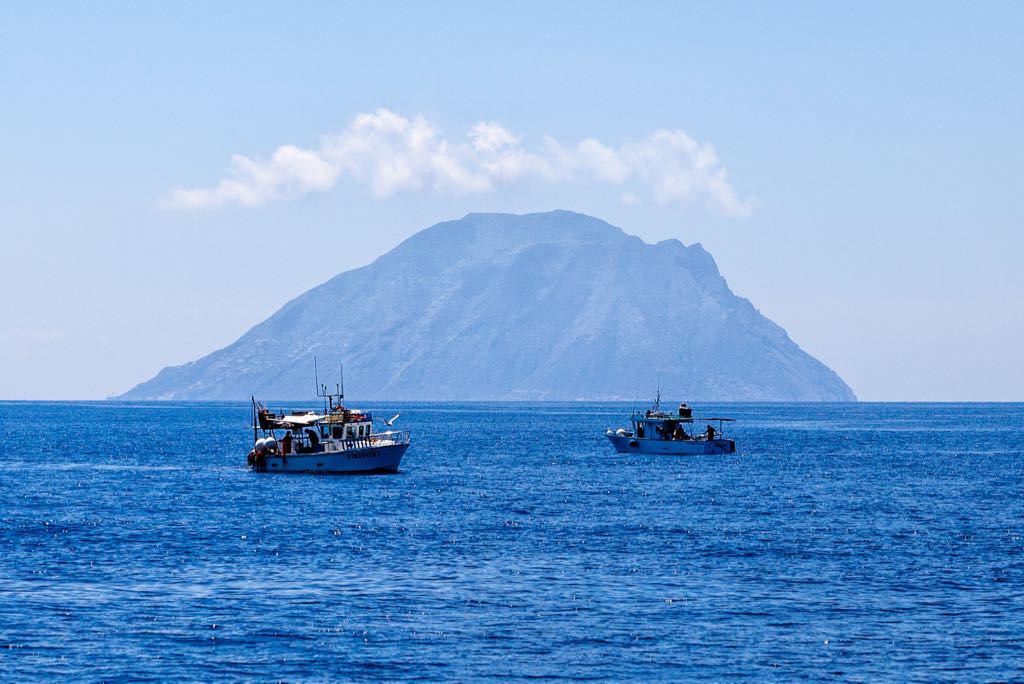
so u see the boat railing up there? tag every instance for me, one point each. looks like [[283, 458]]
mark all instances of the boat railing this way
[[390, 438]]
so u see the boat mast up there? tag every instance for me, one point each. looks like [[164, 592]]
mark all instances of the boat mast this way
[[255, 434]]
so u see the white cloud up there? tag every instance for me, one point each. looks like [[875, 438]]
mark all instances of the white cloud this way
[[677, 168], [291, 172], [488, 136], [388, 154]]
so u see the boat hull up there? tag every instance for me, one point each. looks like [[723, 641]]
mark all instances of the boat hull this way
[[371, 459], [683, 447]]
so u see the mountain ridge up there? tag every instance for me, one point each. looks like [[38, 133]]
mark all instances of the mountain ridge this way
[[555, 305]]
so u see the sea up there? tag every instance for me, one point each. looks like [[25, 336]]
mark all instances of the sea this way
[[862, 542]]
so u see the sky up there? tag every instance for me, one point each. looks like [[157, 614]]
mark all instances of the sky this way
[[173, 173]]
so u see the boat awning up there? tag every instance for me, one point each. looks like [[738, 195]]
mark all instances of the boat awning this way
[[301, 420]]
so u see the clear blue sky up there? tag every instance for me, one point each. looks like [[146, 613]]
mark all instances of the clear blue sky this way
[[876, 149]]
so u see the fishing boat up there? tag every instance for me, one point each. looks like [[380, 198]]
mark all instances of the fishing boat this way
[[336, 439], [658, 432]]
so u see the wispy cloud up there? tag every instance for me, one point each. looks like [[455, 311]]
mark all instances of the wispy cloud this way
[[388, 154]]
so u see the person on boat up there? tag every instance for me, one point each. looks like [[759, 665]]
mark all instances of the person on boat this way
[[678, 433], [264, 418], [711, 432], [286, 443], [314, 439]]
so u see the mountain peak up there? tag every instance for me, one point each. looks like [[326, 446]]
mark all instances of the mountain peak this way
[[554, 305], [522, 229]]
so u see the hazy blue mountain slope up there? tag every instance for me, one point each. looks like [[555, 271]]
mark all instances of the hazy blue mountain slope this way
[[497, 306]]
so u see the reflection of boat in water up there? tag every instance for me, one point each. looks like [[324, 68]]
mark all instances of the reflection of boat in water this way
[[657, 432], [336, 440]]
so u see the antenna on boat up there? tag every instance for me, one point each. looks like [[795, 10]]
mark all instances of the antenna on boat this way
[[321, 390], [657, 397]]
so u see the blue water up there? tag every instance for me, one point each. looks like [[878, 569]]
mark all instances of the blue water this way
[[865, 542]]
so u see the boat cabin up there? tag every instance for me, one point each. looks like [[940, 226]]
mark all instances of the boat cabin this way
[[312, 432], [655, 424], [661, 427]]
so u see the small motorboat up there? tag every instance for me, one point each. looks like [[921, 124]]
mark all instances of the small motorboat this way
[[657, 432]]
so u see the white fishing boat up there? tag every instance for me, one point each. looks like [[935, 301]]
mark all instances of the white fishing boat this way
[[336, 439], [657, 432]]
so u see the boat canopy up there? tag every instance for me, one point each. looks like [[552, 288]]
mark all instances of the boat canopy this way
[[301, 419], [679, 419]]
